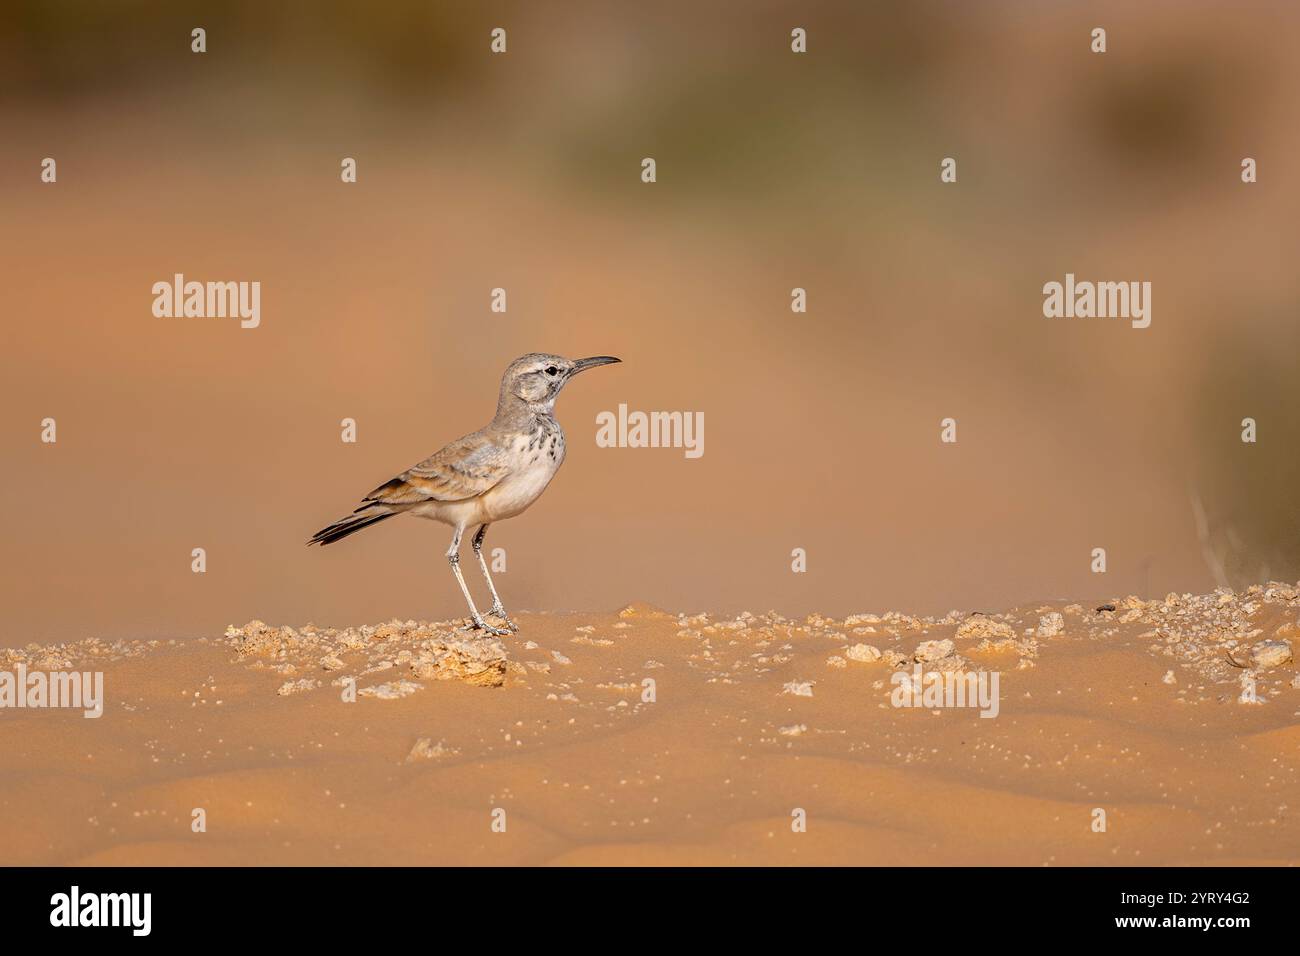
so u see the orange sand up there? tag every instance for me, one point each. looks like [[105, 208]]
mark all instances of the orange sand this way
[[1135, 711]]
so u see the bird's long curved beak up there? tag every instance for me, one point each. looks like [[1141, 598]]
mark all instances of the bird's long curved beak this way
[[581, 365]]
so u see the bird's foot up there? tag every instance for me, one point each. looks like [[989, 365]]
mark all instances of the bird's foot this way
[[496, 610], [478, 624]]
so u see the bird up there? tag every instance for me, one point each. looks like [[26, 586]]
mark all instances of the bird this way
[[489, 475]]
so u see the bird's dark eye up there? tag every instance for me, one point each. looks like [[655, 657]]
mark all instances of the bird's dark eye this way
[[551, 370]]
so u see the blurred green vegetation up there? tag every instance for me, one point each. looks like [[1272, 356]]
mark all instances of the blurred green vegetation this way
[[1250, 490], [65, 49]]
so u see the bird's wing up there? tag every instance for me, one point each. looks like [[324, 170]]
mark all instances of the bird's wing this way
[[464, 469]]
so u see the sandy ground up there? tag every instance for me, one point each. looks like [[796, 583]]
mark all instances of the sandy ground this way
[[1143, 711]]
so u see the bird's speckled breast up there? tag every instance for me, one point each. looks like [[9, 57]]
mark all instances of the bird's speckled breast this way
[[538, 455]]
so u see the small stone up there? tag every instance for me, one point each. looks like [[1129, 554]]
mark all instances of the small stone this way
[[954, 663], [1271, 653], [798, 688], [863, 653], [934, 650], [1169, 678], [983, 626], [1051, 625], [297, 686], [426, 749], [391, 691], [853, 620], [836, 661], [793, 730]]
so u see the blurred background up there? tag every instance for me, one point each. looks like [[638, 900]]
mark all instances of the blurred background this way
[[522, 171]]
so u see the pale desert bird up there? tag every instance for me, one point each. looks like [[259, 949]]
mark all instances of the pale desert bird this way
[[493, 474]]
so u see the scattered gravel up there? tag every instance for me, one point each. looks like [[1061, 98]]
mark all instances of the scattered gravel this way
[[429, 651]]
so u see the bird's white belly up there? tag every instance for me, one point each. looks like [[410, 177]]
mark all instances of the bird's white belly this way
[[520, 489]]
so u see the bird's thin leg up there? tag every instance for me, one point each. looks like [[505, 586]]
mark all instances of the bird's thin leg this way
[[453, 558], [497, 608]]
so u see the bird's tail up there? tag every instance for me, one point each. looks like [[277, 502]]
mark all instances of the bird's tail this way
[[363, 517]]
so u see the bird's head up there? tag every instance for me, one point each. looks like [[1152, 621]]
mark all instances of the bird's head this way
[[536, 378]]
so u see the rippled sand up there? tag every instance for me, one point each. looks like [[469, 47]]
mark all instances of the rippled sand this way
[[648, 737]]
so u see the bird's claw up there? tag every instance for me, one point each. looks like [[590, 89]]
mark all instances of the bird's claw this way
[[496, 610], [478, 624]]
